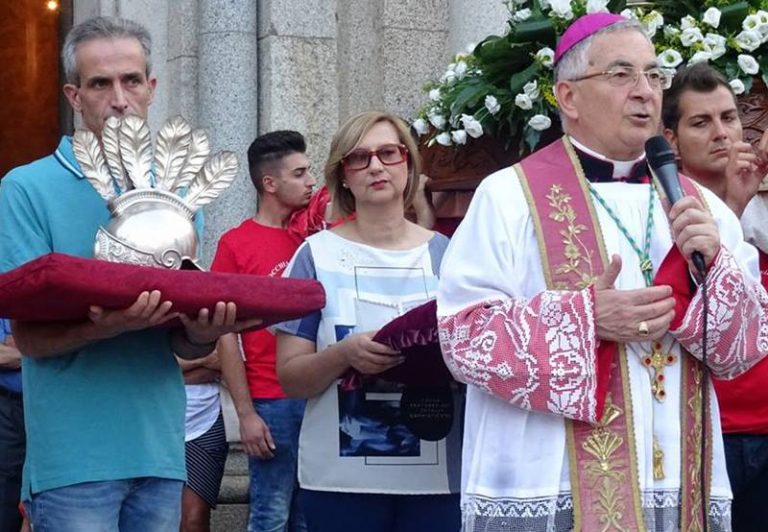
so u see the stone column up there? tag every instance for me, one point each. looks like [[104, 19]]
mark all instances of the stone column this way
[[182, 60], [297, 73], [227, 102], [474, 20], [388, 51]]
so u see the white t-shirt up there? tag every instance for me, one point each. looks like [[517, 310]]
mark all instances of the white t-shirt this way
[[356, 440], [203, 406]]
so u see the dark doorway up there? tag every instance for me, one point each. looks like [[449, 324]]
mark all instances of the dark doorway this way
[[32, 112]]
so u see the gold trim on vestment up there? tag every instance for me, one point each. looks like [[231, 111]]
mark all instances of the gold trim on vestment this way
[[606, 471]]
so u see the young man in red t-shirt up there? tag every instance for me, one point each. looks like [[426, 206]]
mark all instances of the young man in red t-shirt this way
[[703, 125], [263, 245]]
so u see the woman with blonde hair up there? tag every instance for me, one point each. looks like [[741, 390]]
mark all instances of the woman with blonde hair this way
[[363, 464]]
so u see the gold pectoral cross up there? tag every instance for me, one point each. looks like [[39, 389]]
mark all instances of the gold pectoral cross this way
[[656, 361]]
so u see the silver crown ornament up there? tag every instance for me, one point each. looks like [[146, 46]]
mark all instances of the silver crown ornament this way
[[152, 194]]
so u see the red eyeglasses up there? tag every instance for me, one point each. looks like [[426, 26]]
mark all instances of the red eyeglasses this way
[[389, 155]]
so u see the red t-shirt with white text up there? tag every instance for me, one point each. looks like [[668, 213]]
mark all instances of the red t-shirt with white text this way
[[260, 250]]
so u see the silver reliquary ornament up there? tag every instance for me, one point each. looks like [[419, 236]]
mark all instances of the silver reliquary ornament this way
[[152, 194]]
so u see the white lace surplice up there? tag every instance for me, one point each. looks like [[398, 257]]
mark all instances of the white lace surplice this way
[[515, 473]]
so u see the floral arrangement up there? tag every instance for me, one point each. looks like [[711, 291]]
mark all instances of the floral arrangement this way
[[503, 85]]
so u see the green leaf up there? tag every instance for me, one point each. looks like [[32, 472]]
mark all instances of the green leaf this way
[[532, 137], [535, 30], [517, 81], [617, 6], [472, 90], [763, 62], [732, 15]]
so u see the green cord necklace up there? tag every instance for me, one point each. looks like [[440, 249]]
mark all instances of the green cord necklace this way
[[646, 266]]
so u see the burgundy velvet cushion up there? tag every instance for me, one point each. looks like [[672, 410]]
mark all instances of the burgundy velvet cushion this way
[[62, 287], [415, 335]]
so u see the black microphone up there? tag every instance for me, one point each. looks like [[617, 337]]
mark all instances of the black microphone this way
[[661, 159]]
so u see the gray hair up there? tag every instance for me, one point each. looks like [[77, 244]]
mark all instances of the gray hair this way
[[575, 62], [102, 28]]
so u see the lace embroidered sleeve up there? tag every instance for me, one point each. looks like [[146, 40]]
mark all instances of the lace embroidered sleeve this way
[[538, 354], [738, 320]]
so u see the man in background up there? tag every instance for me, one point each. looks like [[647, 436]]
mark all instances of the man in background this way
[[263, 245], [702, 123]]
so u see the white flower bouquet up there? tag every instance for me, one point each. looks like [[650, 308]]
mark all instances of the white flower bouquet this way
[[503, 86]]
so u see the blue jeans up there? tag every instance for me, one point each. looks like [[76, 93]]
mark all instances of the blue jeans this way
[[146, 504], [746, 457], [274, 486], [12, 447], [328, 511]]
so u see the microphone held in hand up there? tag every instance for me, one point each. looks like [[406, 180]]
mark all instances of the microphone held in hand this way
[[661, 160]]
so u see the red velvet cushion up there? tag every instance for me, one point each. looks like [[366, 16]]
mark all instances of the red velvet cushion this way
[[62, 287], [415, 335]]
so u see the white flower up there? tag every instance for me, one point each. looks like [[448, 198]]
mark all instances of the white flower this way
[[470, 47], [652, 22], [669, 58], [523, 101], [691, 36], [532, 89], [540, 122], [434, 95], [546, 56], [670, 72], [420, 125], [561, 9], [714, 44], [737, 86], [700, 57], [492, 104], [444, 138], [543, 3], [749, 40], [629, 14], [670, 32], [748, 64], [459, 136], [751, 22], [687, 22], [473, 127], [436, 120], [597, 6], [712, 17], [521, 15], [449, 77], [460, 69], [762, 22]]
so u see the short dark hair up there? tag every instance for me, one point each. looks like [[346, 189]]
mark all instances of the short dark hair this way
[[266, 149], [699, 77]]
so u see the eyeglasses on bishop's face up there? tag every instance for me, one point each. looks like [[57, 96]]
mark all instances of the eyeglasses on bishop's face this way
[[628, 77], [388, 154]]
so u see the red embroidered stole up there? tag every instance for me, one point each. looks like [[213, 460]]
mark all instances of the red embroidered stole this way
[[603, 458]]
